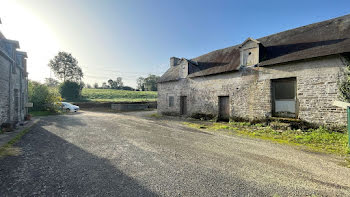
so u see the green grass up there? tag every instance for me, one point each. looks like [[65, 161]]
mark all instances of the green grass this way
[[155, 115], [320, 140], [8, 149], [110, 95], [43, 113]]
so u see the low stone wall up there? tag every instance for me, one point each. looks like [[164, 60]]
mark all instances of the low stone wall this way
[[129, 107], [120, 106], [90, 105]]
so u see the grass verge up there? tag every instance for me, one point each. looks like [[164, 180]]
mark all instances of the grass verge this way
[[111, 95], [319, 140], [8, 149], [43, 113], [155, 115]]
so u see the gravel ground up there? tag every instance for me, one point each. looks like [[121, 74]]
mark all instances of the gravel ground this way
[[130, 154]]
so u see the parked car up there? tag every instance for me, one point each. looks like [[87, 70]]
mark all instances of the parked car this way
[[68, 107]]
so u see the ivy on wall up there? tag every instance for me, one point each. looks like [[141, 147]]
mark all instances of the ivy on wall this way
[[344, 86]]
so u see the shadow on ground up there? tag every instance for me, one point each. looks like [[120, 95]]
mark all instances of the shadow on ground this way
[[56, 121], [51, 166]]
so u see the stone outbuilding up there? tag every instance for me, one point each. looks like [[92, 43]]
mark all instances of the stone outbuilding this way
[[295, 74], [13, 82]]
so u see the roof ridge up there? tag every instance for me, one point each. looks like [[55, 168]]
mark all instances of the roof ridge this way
[[265, 37], [308, 25]]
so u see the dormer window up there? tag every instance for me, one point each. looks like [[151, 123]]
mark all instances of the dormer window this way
[[250, 52]]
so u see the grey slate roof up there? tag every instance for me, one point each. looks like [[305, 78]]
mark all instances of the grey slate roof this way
[[315, 40]]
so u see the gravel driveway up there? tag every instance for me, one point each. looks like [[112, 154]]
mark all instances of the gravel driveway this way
[[130, 154]]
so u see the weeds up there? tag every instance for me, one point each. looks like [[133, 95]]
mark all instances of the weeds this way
[[320, 139], [8, 149], [155, 115]]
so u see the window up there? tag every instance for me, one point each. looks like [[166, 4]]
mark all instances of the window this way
[[284, 97], [285, 90], [171, 101]]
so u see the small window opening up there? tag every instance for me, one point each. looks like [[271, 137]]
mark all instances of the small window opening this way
[[171, 101]]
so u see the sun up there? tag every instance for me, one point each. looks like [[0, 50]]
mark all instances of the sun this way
[[34, 35]]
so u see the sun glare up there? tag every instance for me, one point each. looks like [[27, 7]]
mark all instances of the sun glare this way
[[33, 34]]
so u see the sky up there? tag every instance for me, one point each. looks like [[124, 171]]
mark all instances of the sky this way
[[133, 38]]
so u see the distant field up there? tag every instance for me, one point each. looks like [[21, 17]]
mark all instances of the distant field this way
[[110, 95]]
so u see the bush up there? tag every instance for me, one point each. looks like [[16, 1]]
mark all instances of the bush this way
[[70, 90], [42, 98], [344, 86]]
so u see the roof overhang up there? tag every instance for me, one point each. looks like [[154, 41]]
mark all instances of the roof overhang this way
[[14, 42], [248, 40], [24, 54]]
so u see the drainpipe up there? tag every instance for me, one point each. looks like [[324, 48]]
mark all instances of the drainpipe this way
[[10, 79], [20, 95]]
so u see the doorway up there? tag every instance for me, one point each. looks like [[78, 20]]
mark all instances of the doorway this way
[[183, 105], [224, 108], [16, 105]]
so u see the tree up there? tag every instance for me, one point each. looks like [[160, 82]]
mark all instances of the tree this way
[[88, 86], [51, 82], [128, 88], [150, 82], [140, 83], [65, 67], [70, 90], [111, 83], [96, 86], [104, 85], [344, 87], [147, 84], [42, 97], [117, 84]]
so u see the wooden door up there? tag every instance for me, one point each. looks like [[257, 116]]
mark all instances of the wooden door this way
[[183, 105], [224, 108]]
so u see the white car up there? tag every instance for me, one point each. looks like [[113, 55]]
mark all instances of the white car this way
[[68, 107]]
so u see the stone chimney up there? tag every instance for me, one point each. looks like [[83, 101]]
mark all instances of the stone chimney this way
[[174, 61]]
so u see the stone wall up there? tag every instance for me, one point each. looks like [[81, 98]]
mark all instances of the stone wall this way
[[16, 84], [12, 79], [4, 89], [250, 91]]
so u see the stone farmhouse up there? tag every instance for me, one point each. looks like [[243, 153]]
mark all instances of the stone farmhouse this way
[[13, 82], [295, 74]]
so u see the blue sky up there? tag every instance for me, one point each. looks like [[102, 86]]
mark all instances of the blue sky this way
[[133, 38]]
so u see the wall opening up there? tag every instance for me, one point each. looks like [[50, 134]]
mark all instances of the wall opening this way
[[171, 101], [224, 108], [284, 97], [183, 105], [16, 103]]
